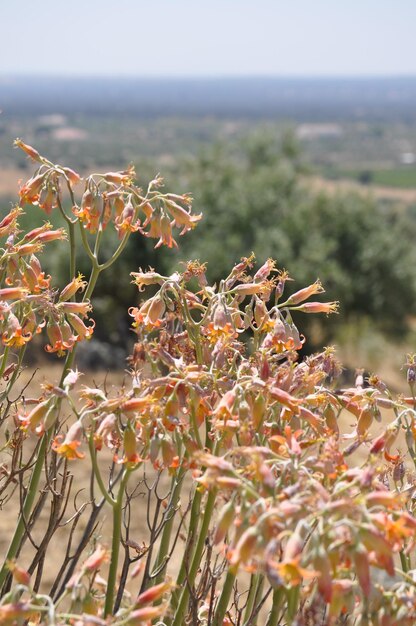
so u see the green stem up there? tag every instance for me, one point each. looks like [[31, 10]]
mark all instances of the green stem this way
[[98, 241], [26, 510], [167, 530], [256, 579], [195, 428], [189, 548], [292, 596], [115, 546], [273, 618], [4, 360], [72, 250], [97, 473], [404, 562], [196, 561], [95, 272], [71, 230], [193, 528], [86, 244], [224, 599], [194, 333], [117, 253]]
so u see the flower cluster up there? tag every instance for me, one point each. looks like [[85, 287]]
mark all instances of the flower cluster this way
[[27, 302], [252, 461]]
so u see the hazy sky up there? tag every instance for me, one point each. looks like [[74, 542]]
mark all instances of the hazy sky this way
[[208, 37]]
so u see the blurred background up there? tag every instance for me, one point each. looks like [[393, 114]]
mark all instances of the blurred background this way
[[292, 124]]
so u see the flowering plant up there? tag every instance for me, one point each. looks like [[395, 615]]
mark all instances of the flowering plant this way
[[256, 509]]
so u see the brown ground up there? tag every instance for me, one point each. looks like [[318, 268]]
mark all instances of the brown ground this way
[[318, 183]]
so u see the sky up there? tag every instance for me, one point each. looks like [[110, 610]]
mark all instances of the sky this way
[[212, 38]]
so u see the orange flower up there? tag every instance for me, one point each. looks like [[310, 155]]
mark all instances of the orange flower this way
[[150, 313], [130, 458], [19, 574], [13, 293], [225, 333], [319, 307], [76, 284], [30, 192], [34, 154], [9, 223], [124, 177], [150, 277], [14, 335], [36, 415], [13, 613], [69, 447], [245, 548], [83, 331], [96, 559], [72, 176], [145, 615], [166, 233], [304, 294], [249, 289], [291, 573], [182, 217], [153, 593], [60, 337]]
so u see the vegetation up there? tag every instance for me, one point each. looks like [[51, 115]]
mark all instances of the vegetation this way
[[403, 177], [234, 442]]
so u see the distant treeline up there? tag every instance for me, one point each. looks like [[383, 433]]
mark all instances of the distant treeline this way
[[375, 99]]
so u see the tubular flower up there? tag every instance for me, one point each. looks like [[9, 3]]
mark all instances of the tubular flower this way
[[70, 444], [181, 217], [13, 293], [166, 234], [142, 279], [225, 333], [107, 432], [35, 280], [319, 307], [8, 224], [88, 214], [96, 559], [14, 335], [33, 420], [125, 222], [76, 284], [34, 154], [50, 235], [20, 575], [304, 294], [72, 176], [83, 331], [48, 199], [30, 192], [124, 177], [15, 613], [154, 593], [145, 615], [80, 308], [130, 458], [58, 343], [249, 289], [33, 234], [150, 313], [290, 572]]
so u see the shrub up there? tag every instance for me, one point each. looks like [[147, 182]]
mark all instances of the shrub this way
[[251, 494]]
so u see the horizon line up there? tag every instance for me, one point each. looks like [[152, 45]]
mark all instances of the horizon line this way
[[206, 77]]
